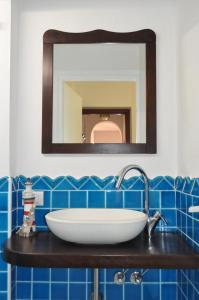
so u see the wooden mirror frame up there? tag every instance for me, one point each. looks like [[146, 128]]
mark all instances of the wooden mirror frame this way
[[52, 37]]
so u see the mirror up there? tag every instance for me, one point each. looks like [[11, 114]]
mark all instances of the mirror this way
[[99, 92]]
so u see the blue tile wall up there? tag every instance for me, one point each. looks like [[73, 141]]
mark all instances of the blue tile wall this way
[[187, 194], [76, 284], [3, 236], [171, 196]]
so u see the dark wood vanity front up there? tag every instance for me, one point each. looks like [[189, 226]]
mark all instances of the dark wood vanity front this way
[[164, 250]]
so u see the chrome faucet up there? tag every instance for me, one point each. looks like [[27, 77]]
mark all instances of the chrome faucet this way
[[151, 221]]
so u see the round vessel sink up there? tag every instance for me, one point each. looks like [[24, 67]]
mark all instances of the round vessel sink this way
[[96, 226]]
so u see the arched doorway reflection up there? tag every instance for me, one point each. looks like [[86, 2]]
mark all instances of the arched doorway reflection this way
[[106, 132]]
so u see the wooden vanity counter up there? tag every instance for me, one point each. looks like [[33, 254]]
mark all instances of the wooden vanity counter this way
[[164, 250]]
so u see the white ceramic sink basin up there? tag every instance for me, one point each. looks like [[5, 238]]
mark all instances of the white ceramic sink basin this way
[[96, 226]]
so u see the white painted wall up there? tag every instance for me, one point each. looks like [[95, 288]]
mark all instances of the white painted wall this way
[[188, 131], [35, 17], [5, 23]]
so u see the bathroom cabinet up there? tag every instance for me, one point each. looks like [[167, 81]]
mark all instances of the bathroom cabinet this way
[[164, 250]]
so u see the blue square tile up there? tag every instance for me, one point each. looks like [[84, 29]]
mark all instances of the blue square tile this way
[[59, 291], [184, 223], [4, 184], [151, 291], [114, 291], [132, 292], [41, 274], [19, 199], [13, 293], [40, 216], [153, 275], [170, 216], [3, 282], [59, 199], [23, 274], [178, 200], [58, 274], [90, 274], [14, 200], [3, 238], [168, 275], [41, 291], [3, 201], [189, 228], [78, 199], [96, 199], [133, 199], [169, 291], [4, 221], [47, 196], [77, 275], [19, 216], [168, 199], [3, 296], [183, 202], [114, 199], [13, 275], [23, 290], [77, 291], [3, 264], [102, 275], [154, 199], [189, 201], [110, 274], [179, 223], [90, 290]]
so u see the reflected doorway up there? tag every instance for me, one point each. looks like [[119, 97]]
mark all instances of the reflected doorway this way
[[106, 132], [106, 125]]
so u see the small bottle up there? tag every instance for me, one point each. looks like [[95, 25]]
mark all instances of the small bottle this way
[[28, 227]]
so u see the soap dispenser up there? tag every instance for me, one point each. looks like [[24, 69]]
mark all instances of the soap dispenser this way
[[28, 227]]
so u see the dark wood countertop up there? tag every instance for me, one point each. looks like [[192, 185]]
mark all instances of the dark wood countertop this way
[[164, 250]]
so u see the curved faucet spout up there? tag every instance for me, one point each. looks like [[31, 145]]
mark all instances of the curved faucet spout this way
[[121, 176]]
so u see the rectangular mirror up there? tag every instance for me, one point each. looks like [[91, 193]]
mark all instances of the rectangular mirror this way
[[95, 77], [99, 92]]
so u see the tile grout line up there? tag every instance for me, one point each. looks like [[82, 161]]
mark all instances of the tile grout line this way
[[31, 284], [50, 283], [160, 284], [68, 291], [86, 291]]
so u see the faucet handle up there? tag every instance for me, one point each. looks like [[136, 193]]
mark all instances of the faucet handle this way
[[158, 216], [163, 220], [153, 221]]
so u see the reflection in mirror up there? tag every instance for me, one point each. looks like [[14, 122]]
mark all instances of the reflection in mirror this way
[[106, 125], [99, 93]]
